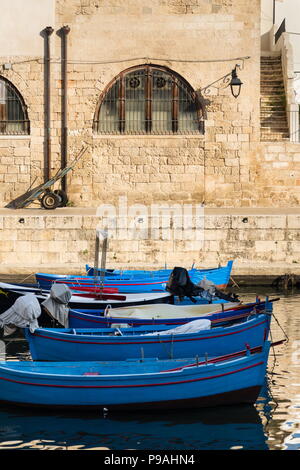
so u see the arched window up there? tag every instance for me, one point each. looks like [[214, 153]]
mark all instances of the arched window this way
[[149, 99], [13, 114]]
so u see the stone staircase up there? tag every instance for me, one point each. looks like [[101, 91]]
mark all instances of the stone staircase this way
[[273, 119]]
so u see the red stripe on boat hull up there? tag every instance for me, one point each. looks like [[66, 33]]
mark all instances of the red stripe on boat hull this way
[[155, 341]]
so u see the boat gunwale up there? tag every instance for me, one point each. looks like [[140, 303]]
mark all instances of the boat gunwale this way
[[216, 362], [70, 337]]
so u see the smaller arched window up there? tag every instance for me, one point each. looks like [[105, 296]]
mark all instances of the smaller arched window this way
[[13, 114], [149, 99]]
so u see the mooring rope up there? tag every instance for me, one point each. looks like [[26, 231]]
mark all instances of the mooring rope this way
[[278, 323]]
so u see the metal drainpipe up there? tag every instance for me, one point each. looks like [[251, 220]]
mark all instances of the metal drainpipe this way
[[47, 59], [64, 124]]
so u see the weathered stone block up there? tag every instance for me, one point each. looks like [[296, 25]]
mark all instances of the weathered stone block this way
[[63, 222]]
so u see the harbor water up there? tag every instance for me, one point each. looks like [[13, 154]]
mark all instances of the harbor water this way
[[273, 423]]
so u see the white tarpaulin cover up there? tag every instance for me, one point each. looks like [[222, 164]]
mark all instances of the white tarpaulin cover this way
[[57, 303], [168, 310], [190, 327], [23, 313]]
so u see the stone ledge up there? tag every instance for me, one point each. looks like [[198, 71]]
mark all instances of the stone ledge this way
[[85, 211], [259, 275], [266, 243]]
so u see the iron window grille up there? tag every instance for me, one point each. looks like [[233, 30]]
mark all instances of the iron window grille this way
[[13, 113], [149, 100]]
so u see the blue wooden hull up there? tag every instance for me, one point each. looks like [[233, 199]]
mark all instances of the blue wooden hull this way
[[138, 273], [96, 319], [56, 344], [132, 284], [151, 384], [119, 273]]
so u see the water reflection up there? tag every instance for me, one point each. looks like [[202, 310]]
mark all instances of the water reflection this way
[[219, 428], [281, 414]]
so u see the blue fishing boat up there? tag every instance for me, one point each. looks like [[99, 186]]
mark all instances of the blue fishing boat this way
[[135, 384], [10, 292], [119, 273], [115, 344], [142, 273], [159, 314], [131, 284]]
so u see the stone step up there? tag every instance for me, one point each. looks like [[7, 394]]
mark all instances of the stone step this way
[[265, 59], [268, 97], [264, 68], [272, 86], [279, 125], [282, 135], [270, 73], [274, 94], [265, 65], [271, 63], [278, 110], [274, 128], [273, 125], [270, 60], [271, 76], [270, 67], [273, 110], [275, 100], [267, 71], [270, 103], [271, 130], [269, 121], [274, 138], [273, 119], [272, 82]]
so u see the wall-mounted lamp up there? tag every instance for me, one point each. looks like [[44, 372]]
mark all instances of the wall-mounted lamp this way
[[230, 79], [235, 83]]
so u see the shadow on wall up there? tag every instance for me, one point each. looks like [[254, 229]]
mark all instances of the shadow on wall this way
[[265, 41]]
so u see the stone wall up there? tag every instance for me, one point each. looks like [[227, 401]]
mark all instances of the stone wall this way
[[109, 36], [228, 166], [277, 175], [261, 243]]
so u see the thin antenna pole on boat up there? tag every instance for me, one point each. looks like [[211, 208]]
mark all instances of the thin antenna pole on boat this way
[[103, 259], [104, 234], [96, 261]]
